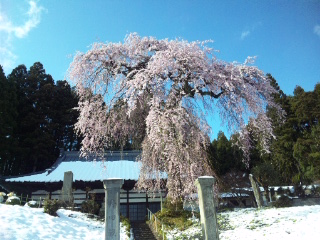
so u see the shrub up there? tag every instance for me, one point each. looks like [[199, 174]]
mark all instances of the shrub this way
[[126, 223], [224, 222], [2, 195], [173, 206], [173, 215], [299, 191], [13, 200], [90, 206], [315, 190], [280, 191], [32, 204], [283, 201], [51, 206]]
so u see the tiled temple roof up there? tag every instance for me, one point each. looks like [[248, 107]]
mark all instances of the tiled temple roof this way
[[115, 165]]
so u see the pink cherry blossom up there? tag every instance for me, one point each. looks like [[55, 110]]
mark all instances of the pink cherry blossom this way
[[162, 91]]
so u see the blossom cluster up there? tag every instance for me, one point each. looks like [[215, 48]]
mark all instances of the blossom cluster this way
[[161, 91]]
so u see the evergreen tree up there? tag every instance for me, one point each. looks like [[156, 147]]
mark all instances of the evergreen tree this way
[[294, 155], [44, 119], [306, 150], [8, 116], [225, 155], [64, 115], [291, 152], [35, 144], [281, 149]]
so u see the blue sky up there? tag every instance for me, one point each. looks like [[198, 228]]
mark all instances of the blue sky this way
[[284, 35]]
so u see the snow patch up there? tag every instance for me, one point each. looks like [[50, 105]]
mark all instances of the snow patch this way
[[19, 223]]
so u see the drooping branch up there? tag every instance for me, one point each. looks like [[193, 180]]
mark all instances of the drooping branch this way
[[159, 82]]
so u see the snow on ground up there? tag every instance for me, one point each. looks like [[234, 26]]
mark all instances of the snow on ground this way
[[274, 223], [293, 223], [265, 224], [17, 222]]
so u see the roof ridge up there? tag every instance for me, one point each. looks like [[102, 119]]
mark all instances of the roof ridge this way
[[108, 156]]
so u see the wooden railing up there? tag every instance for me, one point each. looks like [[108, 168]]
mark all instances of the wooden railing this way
[[154, 225]]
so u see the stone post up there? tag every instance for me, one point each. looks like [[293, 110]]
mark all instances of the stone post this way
[[161, 201], [272, 193], [256, 191], [112, 208], [66, 194], [207, 208]]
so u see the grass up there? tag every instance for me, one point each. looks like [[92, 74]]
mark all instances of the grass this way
[[173, 216], [126, 223], [224, 223], [180, 219]]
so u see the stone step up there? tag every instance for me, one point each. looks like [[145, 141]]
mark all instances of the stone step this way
[[142, 231]]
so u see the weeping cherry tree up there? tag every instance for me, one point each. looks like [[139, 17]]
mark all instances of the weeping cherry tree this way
[[162, 92]]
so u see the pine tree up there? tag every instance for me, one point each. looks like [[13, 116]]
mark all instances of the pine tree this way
[[64, 115], [44, 119], [8, 114]]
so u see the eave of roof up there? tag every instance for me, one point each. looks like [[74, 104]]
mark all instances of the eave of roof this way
[[114, 165]]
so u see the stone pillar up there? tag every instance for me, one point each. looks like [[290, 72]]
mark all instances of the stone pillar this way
[[256, 191], [66, 194], [112, 208], [272, 194], [207, 208]]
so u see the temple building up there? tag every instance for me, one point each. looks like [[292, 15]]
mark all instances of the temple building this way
[[88, 174]]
